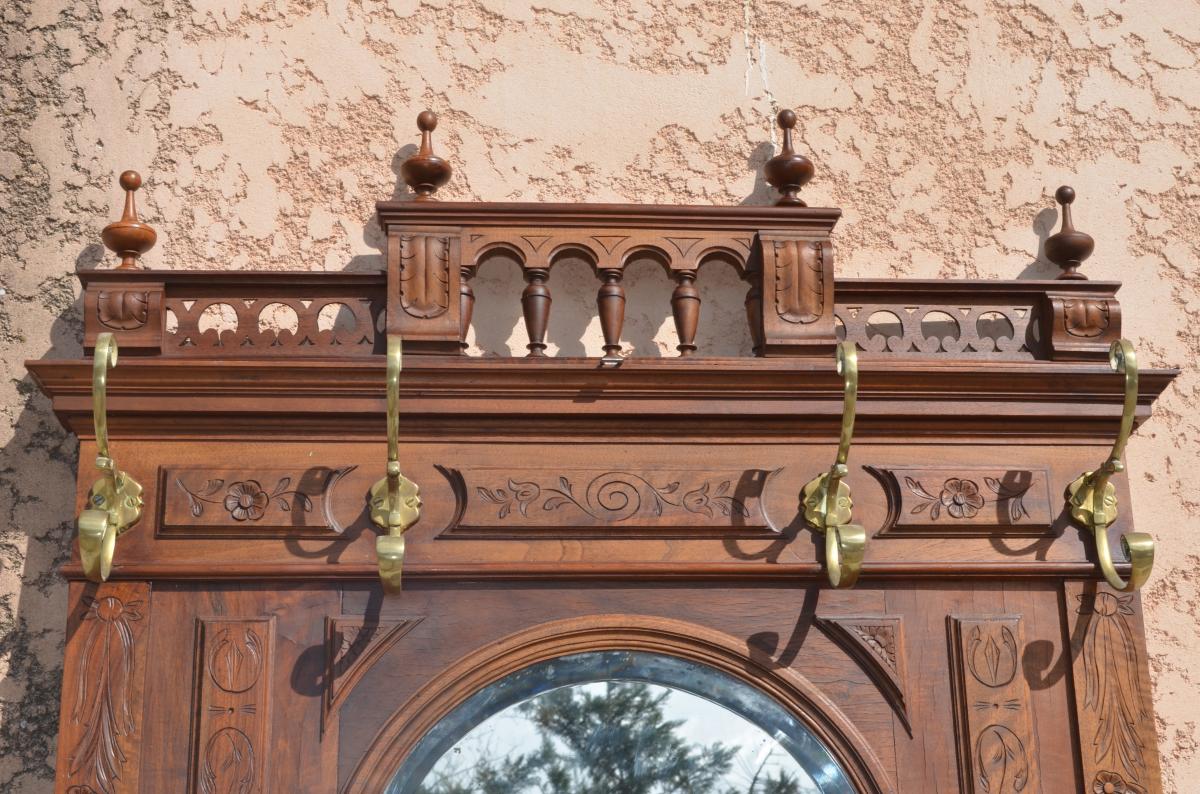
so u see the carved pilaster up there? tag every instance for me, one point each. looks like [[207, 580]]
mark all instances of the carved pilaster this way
[[104, 673], [424, 288], [1118, 745], [994, 727], [797, 286], [230, 750], [132, 312]]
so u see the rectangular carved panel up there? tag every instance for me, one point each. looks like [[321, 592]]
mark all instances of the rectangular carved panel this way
[[1117, 741], [797, 295], [965, 502], [577, 502], [270, 326], [233, 671], [250, 503], [104, 673], [1080, 326], [997, 745], [424, 277], [132, 312]]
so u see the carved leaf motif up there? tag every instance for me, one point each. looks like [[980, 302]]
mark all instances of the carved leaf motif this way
[[1085, 318], [123, 310], [1109, 647], [102, 702], [799, 280], [235, 661], [994, 664], [1002, 761], [228, 763], [424, 275]]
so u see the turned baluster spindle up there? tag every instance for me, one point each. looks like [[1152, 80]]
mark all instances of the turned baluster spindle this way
[[685, 306], [466, 303], [535, 305], [129, 238], [610, 300], [754, 310]]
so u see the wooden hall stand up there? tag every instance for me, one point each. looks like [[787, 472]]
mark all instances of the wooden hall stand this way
[[686, 509]]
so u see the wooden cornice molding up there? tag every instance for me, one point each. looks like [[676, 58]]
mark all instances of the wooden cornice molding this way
[[795, 397], [634, 216]]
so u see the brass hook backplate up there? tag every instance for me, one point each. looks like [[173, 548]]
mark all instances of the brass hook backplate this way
[[114, 503], [395, 500], [1092, 499], [828, 505]]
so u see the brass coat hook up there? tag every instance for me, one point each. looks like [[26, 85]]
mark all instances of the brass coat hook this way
[[395, 499], [827, 501], [1092, 499], [115, 500]]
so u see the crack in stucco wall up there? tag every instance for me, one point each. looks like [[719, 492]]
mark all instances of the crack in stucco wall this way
[[266, 129]]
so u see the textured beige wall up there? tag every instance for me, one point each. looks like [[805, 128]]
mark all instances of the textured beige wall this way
[[266, 130]]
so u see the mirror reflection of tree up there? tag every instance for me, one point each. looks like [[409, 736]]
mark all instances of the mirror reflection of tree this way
[[614, 739]]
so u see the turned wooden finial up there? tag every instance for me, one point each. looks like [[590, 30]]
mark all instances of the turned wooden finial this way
[[1067, 248], [129, 238], [425, 172], [787, 171]]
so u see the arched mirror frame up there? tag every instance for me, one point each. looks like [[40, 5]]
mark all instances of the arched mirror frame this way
[[413, 719]]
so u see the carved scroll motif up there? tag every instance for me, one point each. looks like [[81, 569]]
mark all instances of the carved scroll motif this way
[[799, 280], [1116, 727], [424, 275], [104, 731], [570, 500], [993, 725], [233, 706]]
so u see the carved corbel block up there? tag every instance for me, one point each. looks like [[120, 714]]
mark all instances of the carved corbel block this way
[[797, 295], [424, 280], [132, 312], [1080, 326]]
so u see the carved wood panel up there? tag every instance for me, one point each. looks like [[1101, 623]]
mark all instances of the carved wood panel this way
[[270, 326], [797, 287], [353, 645], [877, 643], [997, 743], [939, 501], [566, 501], [424, 279], [132, 312], [1081, 326], [942, 330], [249, 503], [1118, 743], [99, 743], [230, 751]]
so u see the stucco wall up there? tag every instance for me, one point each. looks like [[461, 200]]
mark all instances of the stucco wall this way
[[267, 129]]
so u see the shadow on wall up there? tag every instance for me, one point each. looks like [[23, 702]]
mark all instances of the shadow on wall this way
[[37, 471]]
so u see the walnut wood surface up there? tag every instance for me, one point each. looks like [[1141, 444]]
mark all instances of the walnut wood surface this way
[[244, 643]]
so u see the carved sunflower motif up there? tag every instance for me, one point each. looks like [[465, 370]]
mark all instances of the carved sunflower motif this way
[[1112, 783], [246, 500], [961, 498]]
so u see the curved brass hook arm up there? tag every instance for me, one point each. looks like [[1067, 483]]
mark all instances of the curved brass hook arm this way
[[395, 499], [115, 500], [1092, 499], [827, 501]]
